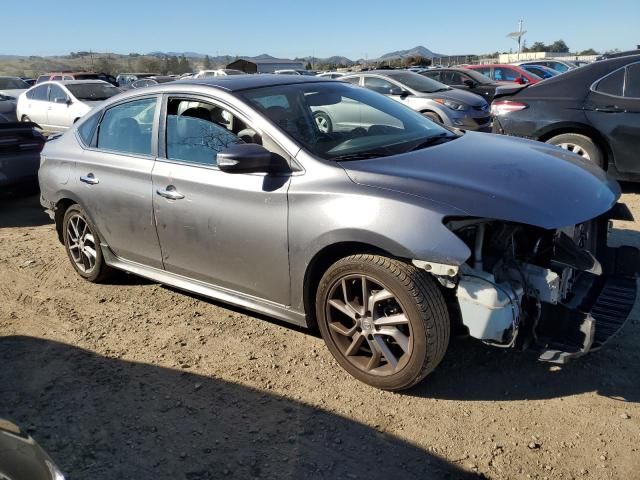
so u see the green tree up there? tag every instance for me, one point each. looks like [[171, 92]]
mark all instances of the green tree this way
[[207, 63], [538, 47], [588, 51], [559, 47], [183, 66], [149, 64]]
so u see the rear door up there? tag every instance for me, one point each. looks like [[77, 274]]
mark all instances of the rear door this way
[[58, 109], [113, 179], [613, 107], [36, 104], [228, 230]]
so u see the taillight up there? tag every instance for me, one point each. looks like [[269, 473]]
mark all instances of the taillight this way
[[501, 107]]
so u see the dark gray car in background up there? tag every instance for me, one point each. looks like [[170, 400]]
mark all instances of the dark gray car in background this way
[[435, 100], [386, 234]]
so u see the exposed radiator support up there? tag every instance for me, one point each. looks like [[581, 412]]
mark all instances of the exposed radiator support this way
[[477, 256]]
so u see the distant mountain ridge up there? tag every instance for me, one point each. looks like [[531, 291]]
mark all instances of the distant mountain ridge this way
[[419, 51]]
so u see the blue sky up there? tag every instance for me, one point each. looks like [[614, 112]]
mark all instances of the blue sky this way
[[321, 28]]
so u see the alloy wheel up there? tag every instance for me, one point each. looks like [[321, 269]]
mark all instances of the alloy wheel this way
[[577, 149], [368, 325], [81, 243]]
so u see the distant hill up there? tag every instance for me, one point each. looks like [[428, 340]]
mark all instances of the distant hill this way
[[418, 51]]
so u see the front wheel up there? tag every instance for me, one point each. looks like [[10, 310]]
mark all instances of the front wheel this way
[[384, 321], [433, 116], [323, 122], [580, 145]]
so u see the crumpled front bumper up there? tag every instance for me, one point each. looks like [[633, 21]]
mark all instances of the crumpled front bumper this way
[[599, 309]]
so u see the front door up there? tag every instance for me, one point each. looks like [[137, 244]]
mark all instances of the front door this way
[[613, 107], [228, 230], [113, 180]]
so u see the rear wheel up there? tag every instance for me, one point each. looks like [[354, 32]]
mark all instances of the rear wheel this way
[[580, 145], [82, 244], [383, 320]]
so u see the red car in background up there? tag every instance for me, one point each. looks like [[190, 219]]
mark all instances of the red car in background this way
[[506, 73]]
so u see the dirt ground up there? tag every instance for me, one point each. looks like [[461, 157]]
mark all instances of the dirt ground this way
[[132, 380]]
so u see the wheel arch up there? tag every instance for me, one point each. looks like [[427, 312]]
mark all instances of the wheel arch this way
[[580, 129], [319, 264], [61, 208]]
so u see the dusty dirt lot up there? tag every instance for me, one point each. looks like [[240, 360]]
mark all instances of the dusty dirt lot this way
[[134, 380]]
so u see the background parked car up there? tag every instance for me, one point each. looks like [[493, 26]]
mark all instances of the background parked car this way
[[506, 73], [465, 79], [332, 75], [592, 111], [52, 76], [30, 81], [220, 72], [55, 106], [295, 72], [558, 65], [145, 82], [124, 80], [8, 108], [20, 150], [540, 71], [13, 86], [434, 100]]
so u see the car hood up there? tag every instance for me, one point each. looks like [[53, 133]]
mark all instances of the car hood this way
[[457, 95], [13, 92], [498, 177]]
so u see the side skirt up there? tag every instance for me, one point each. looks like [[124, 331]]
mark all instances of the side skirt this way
[[281, 312]]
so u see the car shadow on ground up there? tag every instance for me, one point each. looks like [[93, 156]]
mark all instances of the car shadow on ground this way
[[105, 418], [22, 210]]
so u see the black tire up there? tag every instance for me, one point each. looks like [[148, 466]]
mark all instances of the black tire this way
[[99, 271], [419, 300], [323, 122], [580, 144], [25, 118], [433, 116]]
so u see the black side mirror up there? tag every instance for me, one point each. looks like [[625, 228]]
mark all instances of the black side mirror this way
[[470, 83], [398, 91], [250, 158]]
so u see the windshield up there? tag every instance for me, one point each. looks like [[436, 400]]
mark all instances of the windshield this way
[[339, 121], [9, 83], [418, 82], [477, 76], [92, 92]]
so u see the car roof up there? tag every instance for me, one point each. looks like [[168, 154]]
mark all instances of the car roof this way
[[235, 83], [73, 82]]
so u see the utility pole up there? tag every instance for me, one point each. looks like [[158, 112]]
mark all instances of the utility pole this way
[[517, 36]]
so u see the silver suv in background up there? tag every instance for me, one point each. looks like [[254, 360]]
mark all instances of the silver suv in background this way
[[435, 100], [385, 233]]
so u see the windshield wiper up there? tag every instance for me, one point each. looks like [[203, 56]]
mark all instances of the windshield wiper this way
[[434, 140], [359, 156]]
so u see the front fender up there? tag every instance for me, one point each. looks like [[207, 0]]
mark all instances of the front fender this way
[[402, 225]]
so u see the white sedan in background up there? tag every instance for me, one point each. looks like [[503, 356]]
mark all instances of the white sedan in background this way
[[55, 106]]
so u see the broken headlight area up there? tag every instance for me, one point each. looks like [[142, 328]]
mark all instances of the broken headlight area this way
[[564, 292]]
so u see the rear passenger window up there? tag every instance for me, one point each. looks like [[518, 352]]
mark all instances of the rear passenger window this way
[[612, 84], [38, 93], [88, 127], [632, 82], [127, 127]]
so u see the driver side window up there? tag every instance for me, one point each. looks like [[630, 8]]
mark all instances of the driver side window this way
[[378, 85], [197, 131]]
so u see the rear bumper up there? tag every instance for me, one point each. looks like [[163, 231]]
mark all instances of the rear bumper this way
[[599, 310], [19, 168]]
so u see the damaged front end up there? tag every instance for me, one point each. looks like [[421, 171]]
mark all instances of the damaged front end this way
[[564, 292]]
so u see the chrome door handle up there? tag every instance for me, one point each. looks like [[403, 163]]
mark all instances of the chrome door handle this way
[[90, 179], [170, 193]]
